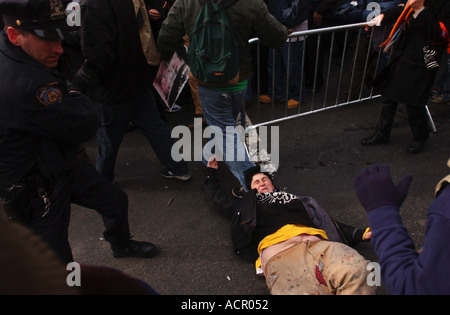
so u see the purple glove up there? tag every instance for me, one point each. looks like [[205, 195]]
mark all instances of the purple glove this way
[[375, 188]]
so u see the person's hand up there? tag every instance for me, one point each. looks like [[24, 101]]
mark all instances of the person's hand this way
[[154, 14], [367, 235], [378, 19], [375, 188], [212, 162]]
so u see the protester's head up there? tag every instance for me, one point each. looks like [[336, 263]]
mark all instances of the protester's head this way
[[37, 26], [261, 181]]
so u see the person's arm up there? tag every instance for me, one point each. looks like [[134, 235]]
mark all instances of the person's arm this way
[[393, 244], [353, 235], [98, 45], [269, 30], [216, 196], [390, 16], [395, 249], [172, 31], [68, 117]]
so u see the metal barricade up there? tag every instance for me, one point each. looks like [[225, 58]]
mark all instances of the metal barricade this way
[[350, 58]]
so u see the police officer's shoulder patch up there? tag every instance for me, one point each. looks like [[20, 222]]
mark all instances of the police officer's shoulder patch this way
[[49, 94]]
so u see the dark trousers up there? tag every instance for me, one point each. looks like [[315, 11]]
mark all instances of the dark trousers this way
[[143, 111], [417, 118], [87, 188]]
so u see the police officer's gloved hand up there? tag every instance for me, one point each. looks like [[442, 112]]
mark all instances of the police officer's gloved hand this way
[[375, 188]]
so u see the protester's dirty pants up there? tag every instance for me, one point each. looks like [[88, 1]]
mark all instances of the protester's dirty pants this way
[[318, 268]]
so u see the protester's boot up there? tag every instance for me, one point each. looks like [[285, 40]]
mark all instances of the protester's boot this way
[[418, 122], [382, 133]]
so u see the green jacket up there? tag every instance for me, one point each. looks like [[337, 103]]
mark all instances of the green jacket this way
[[250, 18]]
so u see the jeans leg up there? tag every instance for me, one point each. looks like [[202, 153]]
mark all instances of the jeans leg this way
[[220, 110], [148, 121]]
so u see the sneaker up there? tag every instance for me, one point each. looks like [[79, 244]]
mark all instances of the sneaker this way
[[293, 103], [166, 173], [135, 249], [238, 192]]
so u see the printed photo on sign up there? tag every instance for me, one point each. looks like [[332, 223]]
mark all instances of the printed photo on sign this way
[[171, 79]]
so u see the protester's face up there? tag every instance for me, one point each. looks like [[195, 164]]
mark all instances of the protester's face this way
[[262, 183], [46, 52]]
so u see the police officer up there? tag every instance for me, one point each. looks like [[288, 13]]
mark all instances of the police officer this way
[[42, 123]]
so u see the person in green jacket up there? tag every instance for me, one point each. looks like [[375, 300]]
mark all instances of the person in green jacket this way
[[222, 104]]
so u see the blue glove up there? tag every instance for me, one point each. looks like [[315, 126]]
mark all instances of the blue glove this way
[[375, 188]]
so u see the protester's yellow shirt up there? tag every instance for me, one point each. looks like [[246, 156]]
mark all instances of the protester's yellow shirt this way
[[284, 233]]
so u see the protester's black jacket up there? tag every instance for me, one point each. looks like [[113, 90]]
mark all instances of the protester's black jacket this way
[[115, 66]]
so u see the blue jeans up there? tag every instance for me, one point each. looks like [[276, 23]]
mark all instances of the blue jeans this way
[[221, 109], [281, 66], [143, 112]]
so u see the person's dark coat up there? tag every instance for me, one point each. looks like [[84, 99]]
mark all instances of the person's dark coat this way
[[115, 66], [408, 80]]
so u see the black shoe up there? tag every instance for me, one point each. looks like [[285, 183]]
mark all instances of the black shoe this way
[[374, 140], [416, 146], [238, 192], [135, 249]]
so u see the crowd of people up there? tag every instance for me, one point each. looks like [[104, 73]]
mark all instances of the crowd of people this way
[[53, 103]]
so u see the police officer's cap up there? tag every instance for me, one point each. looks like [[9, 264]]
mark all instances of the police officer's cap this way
[[43, 18]]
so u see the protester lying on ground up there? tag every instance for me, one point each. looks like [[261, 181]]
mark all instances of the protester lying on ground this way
[[403, 269], [297, 246]]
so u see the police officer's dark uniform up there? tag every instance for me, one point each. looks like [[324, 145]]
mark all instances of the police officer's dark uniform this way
[[41, 126]]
